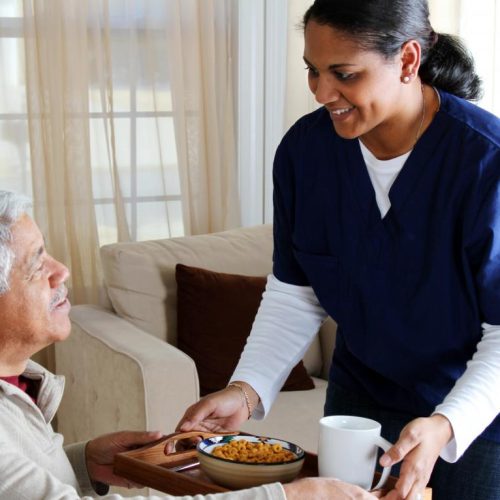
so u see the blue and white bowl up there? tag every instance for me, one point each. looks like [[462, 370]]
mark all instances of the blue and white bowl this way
[[237, 475]]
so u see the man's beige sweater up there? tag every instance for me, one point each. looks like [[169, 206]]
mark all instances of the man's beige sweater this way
[[34, 465]]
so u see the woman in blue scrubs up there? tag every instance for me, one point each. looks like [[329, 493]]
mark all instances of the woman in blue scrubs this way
[[387, 218]]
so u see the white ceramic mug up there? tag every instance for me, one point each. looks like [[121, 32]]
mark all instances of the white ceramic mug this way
[[347, 450]]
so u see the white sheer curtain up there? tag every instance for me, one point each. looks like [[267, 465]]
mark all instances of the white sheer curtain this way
[[130, 113], [200, 39], [117, 116], [56, 48]]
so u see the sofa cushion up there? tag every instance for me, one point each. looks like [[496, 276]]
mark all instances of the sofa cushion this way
[[215, 313], [140, 276]]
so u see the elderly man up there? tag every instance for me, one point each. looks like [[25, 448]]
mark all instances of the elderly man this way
[[33, 314]]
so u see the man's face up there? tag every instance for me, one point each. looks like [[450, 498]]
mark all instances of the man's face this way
[[34, 311]]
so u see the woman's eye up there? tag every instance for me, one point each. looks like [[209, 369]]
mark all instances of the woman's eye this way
[[312, 71], [344, 76]]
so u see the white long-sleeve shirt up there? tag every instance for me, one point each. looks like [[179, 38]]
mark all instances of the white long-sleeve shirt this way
[[289, 317]]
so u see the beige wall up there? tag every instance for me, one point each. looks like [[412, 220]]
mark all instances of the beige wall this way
[[299, 99], [444, 15]]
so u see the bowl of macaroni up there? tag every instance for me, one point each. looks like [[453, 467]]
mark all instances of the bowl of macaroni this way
[[241, 461]]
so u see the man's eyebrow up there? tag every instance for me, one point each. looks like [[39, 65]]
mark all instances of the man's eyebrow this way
[[332, 66]]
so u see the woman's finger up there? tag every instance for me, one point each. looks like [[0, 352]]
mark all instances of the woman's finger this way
[[415, 473], [408, 440], [416, 493]]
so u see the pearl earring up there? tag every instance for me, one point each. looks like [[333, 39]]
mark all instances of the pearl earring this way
[[406, 78]]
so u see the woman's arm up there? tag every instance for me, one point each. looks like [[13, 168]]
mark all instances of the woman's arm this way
[[288, 318], [287, 321], [474, 401]]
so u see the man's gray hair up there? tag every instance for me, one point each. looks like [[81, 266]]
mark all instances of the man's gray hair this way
[[12, 207]]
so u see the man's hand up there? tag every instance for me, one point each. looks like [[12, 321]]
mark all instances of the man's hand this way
[[326, 489], [419, 445], [100, 454]]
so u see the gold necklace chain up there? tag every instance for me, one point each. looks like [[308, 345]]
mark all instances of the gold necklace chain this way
[[423, 115]]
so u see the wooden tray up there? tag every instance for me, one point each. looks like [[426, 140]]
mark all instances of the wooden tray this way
[[150, 467]]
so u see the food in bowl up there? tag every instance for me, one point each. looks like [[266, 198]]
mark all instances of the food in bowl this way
[[241, 450], [240, 461]]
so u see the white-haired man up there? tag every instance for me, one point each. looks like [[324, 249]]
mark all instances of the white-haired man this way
[[34, 314]]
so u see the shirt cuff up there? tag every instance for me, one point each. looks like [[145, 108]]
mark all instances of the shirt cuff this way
[[450, 452], [76, 455], [261, 386]]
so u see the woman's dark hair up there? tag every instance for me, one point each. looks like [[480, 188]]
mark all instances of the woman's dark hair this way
[[385, 25]]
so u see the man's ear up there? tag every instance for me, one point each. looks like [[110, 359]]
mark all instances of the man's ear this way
[[410, 57]]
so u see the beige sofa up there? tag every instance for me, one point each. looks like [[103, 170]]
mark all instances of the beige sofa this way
[[122, 367]]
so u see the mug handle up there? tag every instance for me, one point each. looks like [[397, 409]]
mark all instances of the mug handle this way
[[385, 445]]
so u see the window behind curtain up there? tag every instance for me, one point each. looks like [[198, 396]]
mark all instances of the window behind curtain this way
[[15, 173], [142, 119]]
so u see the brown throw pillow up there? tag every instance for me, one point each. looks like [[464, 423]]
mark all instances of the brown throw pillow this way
[[215, 312]]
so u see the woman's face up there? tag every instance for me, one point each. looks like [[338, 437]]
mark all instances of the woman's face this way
[[361, 89]]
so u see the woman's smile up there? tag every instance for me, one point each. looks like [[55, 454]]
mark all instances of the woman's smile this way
[[340, 114]]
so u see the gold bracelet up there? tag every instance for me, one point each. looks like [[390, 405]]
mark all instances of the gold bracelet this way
[[245, 395]]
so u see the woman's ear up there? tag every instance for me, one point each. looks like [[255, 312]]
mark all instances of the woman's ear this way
[[410, 60]]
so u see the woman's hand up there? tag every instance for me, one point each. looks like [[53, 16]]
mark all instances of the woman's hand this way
[[328, 489], [419, 445], [223, 410], [101, 451]]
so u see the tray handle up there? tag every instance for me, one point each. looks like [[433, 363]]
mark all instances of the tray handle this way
[[154, 453]]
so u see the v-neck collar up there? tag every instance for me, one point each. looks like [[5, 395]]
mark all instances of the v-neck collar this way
[[419, 160], [357, 173], [405, 183]]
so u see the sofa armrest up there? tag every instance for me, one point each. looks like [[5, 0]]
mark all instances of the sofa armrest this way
[[327, 337], [119, 377]]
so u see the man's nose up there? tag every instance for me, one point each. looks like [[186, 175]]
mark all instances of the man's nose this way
[[59, 274]]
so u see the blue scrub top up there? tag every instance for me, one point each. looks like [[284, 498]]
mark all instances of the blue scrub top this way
[[409, 291]]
